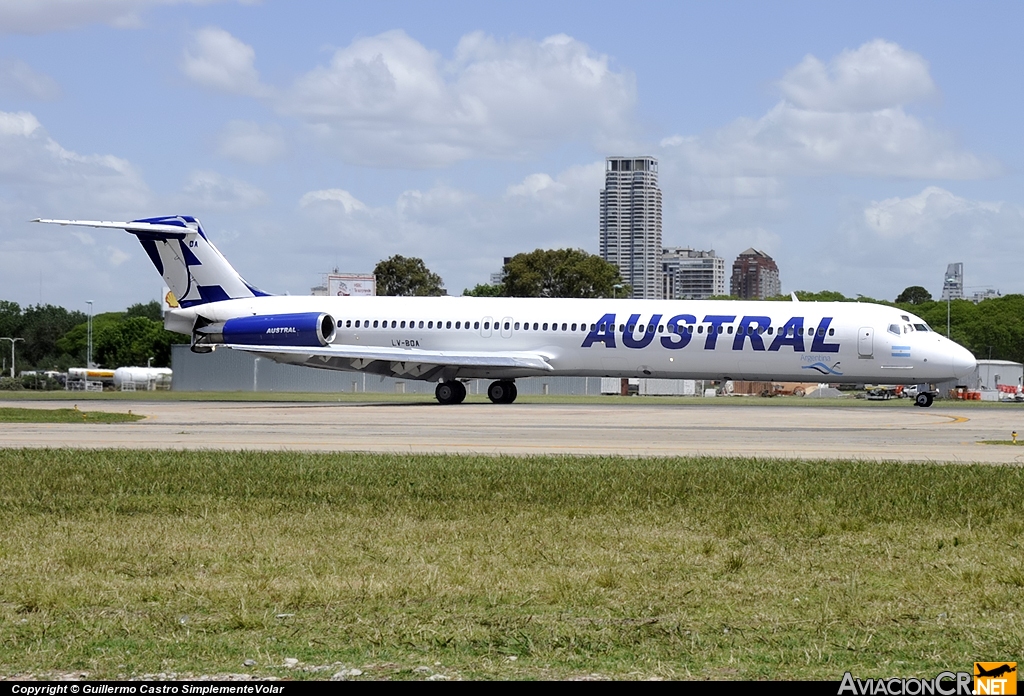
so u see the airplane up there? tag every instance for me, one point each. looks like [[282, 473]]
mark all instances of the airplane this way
[[447, 339]]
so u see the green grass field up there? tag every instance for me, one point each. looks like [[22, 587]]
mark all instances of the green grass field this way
[[62, 415], [130, 562]]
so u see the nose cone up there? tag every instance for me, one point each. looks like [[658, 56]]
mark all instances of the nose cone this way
[[963, 361]]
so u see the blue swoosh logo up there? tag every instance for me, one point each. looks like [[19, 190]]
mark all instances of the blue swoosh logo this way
[[823, 368]]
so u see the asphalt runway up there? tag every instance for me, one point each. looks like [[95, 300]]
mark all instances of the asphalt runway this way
[[811, 432]]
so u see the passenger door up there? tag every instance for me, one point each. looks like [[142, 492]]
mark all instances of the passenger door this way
[[506, 327]]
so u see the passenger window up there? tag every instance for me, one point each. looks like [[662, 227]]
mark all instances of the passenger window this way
[[394, 324], [506, 326], [632, 328], [534, 326], [771, 331], [375, 323], [622, 328], [487, 326], [700, 329], [403, 324], [573, 327], [831, 332], [476, 325], [430, 324], [564, 326], [517, 326], [545, 326], [593, 325], [348, 324], [448, 325], [661, 329]]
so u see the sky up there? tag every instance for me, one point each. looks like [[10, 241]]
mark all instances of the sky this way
[[864, 146]]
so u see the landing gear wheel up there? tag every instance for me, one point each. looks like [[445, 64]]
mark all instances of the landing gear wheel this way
[[924, 400], [502, 392], [452, 392]]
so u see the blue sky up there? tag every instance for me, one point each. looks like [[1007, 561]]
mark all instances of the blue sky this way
[[863, 146]]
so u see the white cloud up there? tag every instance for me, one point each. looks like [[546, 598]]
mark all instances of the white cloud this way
[[212, 191], [848, 118], [909, 241], [388, 100], [346, 200], [41, 178], [18, 79], [40, 16], [248, 142], [933, 217], [36, 170], [878, 75], [217, 60], [461, 235]]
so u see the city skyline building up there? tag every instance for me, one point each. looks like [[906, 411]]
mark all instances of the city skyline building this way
[[953, 284], [691, 274], [630, 223], [755, 276]]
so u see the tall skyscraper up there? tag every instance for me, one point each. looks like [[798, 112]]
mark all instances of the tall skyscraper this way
[[631, 223], [754, 276], [953, 286], [691, 274]]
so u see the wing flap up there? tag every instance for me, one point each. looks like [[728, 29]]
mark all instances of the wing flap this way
[[444, 358]]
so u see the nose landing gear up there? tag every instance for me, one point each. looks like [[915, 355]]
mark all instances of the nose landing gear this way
[[452, 392], [502, 392], [924, 399]]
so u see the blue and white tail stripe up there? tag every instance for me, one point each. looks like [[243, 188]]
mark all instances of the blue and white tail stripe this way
[[191, 266]]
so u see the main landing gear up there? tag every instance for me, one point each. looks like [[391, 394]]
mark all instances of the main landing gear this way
[[454, 392], [502, 392], [451, 392]]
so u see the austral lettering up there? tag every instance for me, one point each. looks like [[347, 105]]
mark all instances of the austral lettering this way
[[755, 333]]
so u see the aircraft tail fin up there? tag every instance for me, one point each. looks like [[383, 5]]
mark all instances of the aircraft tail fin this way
[[191, 266]]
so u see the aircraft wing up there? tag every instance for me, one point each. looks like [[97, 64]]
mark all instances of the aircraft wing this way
[[412, 362]]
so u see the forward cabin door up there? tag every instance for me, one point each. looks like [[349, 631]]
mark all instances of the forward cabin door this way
[[506, 327], [866, 342]]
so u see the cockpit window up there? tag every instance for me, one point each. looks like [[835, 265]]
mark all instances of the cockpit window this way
[[894, 329], [921, 327], [904, 317]]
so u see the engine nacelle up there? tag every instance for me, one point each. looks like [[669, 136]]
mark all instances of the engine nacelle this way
[[313, 329]]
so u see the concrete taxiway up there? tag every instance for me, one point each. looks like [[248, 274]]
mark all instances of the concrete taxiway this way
[[647, 429]]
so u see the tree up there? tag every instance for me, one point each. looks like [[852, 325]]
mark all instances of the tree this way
[[132, 342], [915, 295], [482, 290], [562, 273], [151, 310], [407, 277], [42, 326]]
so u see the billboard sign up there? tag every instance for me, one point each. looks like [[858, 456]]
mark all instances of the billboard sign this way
[[352, 285]]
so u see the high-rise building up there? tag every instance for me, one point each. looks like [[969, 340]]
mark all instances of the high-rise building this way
[[953, 286], [631, 223], [754, 276], [690, 274]]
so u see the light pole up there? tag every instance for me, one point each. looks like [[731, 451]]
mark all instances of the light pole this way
[[88, 349], [13, 341], [615, 289], [949, 296]]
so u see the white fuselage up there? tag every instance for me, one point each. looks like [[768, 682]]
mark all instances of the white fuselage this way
[[688, 339]]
